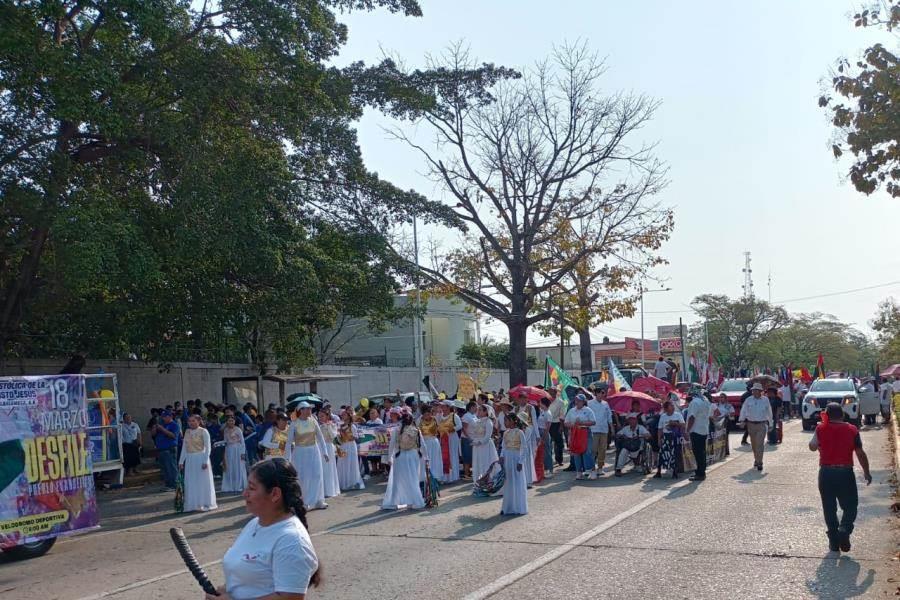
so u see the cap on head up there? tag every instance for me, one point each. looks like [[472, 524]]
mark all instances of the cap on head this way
[[756, 387], [166, 413]]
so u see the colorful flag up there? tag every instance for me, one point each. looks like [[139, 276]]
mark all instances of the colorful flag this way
[[694, 369], [820, 367], [556, 377], [618, 380]]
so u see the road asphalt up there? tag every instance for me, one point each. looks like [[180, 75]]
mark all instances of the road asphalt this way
[[739, 534]]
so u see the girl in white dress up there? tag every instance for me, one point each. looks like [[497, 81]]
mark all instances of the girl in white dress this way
[[406, 455], [428, 426], [514, 451], [348, 458], [450, 425], [234, 479], [307, 451], [329, 467], [484, 453], [199, 489]]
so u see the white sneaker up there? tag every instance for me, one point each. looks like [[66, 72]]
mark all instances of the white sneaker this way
[[593, 475], [548, 475]]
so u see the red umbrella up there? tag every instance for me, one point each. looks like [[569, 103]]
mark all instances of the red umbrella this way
[[651, 383], [621, 402], [531, 393]]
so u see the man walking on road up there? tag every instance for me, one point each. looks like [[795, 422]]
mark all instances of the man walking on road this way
[[836, 442], [756, 416], [698, 428], [600, 430]]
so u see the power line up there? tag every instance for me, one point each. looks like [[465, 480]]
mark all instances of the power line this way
[[830, 294]]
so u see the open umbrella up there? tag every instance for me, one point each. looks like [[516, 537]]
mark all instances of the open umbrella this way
[[294, 399], [766, 381], [531, 393], [621, 402], [651, 383]]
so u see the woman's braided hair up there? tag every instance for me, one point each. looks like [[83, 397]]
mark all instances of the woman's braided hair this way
[[278, 472]]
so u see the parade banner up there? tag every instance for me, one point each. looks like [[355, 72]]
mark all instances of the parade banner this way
[[374, 440], [715, 446], [46, 480], [466, 388]]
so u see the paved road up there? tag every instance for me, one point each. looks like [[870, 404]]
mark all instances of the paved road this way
[[739, 534]]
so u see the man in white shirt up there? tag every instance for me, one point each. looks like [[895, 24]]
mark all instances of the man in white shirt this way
[[556, 416], [661, 369], [756, 416], [698, 427], [600, 430], [628, 449]]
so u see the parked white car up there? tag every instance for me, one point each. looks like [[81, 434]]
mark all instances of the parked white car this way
[[823, 391]]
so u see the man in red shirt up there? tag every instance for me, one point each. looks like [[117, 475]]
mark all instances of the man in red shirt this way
[[836, 442]]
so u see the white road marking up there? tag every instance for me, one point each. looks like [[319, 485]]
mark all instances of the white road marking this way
[[125, 588], [566, 547]]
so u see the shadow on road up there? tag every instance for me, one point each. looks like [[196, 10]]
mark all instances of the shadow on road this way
[[749, 476], [837, 578]]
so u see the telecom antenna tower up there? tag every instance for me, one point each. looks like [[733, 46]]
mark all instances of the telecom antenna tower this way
[[748, 277]]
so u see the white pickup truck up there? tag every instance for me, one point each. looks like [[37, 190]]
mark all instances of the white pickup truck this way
[[821, 392]]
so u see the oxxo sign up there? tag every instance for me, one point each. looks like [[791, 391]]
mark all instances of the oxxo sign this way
[[669, 337]]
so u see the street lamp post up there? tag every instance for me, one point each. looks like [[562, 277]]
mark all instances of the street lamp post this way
[[642, 291]]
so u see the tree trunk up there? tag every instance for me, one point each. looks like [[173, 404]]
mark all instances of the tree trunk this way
[[587, 353], [518, 365]]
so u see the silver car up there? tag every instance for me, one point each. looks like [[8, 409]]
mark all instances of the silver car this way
[[823, 391]]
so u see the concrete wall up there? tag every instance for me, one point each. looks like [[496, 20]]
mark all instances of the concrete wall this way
[[144, 386]]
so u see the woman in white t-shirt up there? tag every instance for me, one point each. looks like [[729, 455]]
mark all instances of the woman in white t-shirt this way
[[273, 553]]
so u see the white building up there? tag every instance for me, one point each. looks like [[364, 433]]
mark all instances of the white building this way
[[446, 326]]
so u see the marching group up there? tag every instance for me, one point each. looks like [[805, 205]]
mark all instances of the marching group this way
[[513, 440]]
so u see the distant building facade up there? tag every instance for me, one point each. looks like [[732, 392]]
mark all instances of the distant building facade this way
[[626, 352], [448, 323]]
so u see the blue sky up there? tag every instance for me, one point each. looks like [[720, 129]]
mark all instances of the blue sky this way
[[747, 146]]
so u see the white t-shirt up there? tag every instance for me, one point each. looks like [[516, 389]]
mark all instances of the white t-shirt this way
[[602, 416], [629, 433], [699, 409], [660, 369], [469, 418], [584, 415], [265, 560], [674, 418]]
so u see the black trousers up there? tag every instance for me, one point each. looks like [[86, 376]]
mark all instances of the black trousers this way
[[558, 445], [698, 445], [837, 485]]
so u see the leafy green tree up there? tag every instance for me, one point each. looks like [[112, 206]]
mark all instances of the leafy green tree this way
[[734, 327], [865, 105], [887, 325], [179, 173], [489, 353], [806, 336]]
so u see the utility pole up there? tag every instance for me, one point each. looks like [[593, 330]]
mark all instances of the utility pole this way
[[419, 353], [562, 343], [684, 365], [641, 293], [770, 286]]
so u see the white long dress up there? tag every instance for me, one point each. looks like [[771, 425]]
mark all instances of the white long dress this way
[[531, 439], [234, 479], [484, 453], [515, 489], [307, 449], [330, 479], [199, 489], [454, 447], [348, 464], [432, 450], [406, 470]]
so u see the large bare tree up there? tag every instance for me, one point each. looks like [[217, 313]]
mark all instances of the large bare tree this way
[[530, 151]]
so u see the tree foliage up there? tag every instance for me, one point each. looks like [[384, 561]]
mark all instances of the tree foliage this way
[[530, 152], [488, 353], [887, 325], [734, 327], [179, 173], [865, 105]]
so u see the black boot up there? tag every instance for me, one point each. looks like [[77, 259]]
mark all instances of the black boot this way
[[844, 541]]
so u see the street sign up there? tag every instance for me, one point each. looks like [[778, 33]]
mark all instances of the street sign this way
[[669, 331], [670, 345]]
